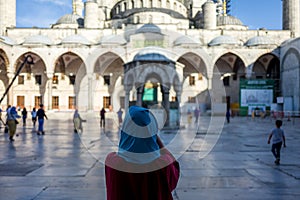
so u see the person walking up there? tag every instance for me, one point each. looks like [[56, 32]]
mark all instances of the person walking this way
[[24, 116], [120, 113], [102, 118], [277, 136], [12, 122], [33, 116], [77, 120], [228, 116], [196, 114], [6, 125], [41, 115], [142, 168]]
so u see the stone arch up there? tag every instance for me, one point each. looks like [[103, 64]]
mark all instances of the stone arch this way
[[108, 68], [69, 72], [31, 76], [285, 63], [229, 69]]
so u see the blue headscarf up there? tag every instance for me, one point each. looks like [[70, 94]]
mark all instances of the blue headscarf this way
[[138, 142]]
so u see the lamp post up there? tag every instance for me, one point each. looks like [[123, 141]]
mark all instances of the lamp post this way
[[28, 60]]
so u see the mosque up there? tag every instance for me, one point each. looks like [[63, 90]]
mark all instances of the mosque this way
[[115, 53]]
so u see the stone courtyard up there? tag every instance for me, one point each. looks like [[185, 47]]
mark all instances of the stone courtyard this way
[[218, 160]]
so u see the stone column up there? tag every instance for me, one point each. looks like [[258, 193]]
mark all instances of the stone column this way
[[10, 99], [126, 103], [139, 99], [90, 92], [166, 103], [50, 77]]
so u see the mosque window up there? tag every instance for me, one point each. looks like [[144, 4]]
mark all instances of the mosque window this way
[[168, 4], [72, 79], [106, 102], [125, 6], [21, 80], [38, 79], [132, 4], [150, 3], [72, 103], [55, 102], [37, 101], [20, 101], [55, 79], [159, 4], [192, 80], [226, 81], [141, 4], [175, 6], [191, 99], [106, 80]]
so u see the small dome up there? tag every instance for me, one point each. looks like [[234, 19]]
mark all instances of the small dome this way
[[71, 19], [37, 39], [224, 39], [150, 57], [228, 20], [185, 40], [113, 39], [259, 40], [148, 28], [7, 40], [75, 39]]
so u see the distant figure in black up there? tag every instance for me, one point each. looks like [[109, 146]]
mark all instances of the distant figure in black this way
[[24, 116], [102, 117]]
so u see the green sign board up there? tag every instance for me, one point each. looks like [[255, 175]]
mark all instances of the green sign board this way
[[256, 95]]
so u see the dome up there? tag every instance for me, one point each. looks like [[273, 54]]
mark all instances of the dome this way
[[151, 57], [148, 28], [7, 40], [224, 39], [228, 20], [259, 40], [75, 39], [71, 19], [113, 39], [37, 39], [185, 40]]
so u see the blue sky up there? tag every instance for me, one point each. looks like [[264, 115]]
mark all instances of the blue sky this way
[[253, 13]]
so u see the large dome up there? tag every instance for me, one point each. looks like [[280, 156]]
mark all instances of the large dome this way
[[71, 19]]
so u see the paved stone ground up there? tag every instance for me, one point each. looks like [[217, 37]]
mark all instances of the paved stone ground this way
[[218, 160]]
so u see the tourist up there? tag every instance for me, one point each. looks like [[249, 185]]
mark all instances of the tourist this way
[[24, 116], [12, 122], [277, 136], [142, 168], [41, 115], [102, 117], [33, 116]]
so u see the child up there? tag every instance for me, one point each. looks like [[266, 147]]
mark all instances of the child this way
[[278, 137]]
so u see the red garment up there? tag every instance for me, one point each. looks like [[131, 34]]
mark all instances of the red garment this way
[[150, 185]]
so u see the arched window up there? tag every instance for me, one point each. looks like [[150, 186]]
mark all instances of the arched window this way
[[150, 3], [175, 6], [132, 4], [159, 4], [125, 6], [141, 4], [168, 4]]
